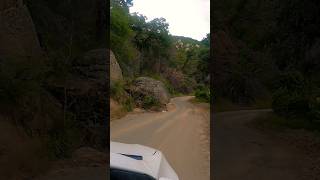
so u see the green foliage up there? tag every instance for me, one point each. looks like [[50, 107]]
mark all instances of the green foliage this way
[[120, 36], [206, 41], [146, 48], [117, 90], [274, 48], [118, 93], [296, 48], [152, 40], [203, 66], [149, 102], [128, 104], [291, 80], [289, 103], [290, 98], [124, 4], [315, 109], [202, 93]]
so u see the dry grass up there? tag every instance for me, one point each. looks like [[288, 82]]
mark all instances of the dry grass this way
[[116, 110]]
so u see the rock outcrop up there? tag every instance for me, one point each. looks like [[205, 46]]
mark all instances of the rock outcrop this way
[[115, 70], [85, 93], [145, 86], [93, 66], [90, 92], [18, 37]]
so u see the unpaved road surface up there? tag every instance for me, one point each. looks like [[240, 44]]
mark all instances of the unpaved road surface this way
[[244, 153], [181, 133]]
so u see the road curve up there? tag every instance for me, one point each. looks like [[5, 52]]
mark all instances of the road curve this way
[[181, 133]]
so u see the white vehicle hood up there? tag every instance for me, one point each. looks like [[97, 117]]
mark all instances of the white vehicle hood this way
[[153, 162], [134, 149]]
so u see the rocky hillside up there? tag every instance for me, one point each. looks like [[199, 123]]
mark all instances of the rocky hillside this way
[[53, 81], [141, 92], [150, 57]]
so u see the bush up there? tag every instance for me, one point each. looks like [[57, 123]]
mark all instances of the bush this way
[[314, 106], [118, 93], [149, 102], [292, 81], [128, 104], [117, 90], [288, 103], [203, 94], [290, 97]]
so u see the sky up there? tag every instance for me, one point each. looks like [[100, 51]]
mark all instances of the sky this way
[[189, 18]]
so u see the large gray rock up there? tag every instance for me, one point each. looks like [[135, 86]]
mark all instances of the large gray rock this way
[[145, 86], [115, 70]]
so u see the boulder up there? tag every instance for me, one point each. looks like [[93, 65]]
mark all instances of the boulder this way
[[85, 92], [145, 86], [115, 70], [18, 37]]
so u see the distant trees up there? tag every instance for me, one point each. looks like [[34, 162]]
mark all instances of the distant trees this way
[[145, 47], [136, 41], [269, 46], [152, 39], [297, 52], [121, 35]]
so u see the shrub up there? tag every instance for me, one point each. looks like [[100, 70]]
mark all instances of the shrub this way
[[288, 103], [290, 97], [118, 93], [128, 104], [203, 94], [314, 106], [149, 102], [116, 90]]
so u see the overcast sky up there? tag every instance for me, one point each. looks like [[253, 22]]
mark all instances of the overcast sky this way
[[189, 18]]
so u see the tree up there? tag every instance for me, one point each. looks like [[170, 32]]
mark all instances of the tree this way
[[152, 40]]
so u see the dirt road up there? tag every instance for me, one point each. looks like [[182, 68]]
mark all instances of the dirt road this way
[[181, 133], [244, 153]]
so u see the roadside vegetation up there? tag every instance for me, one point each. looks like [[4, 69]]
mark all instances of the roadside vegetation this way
[[274, 122], [145, 48], [266, 55], [202, 94]]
